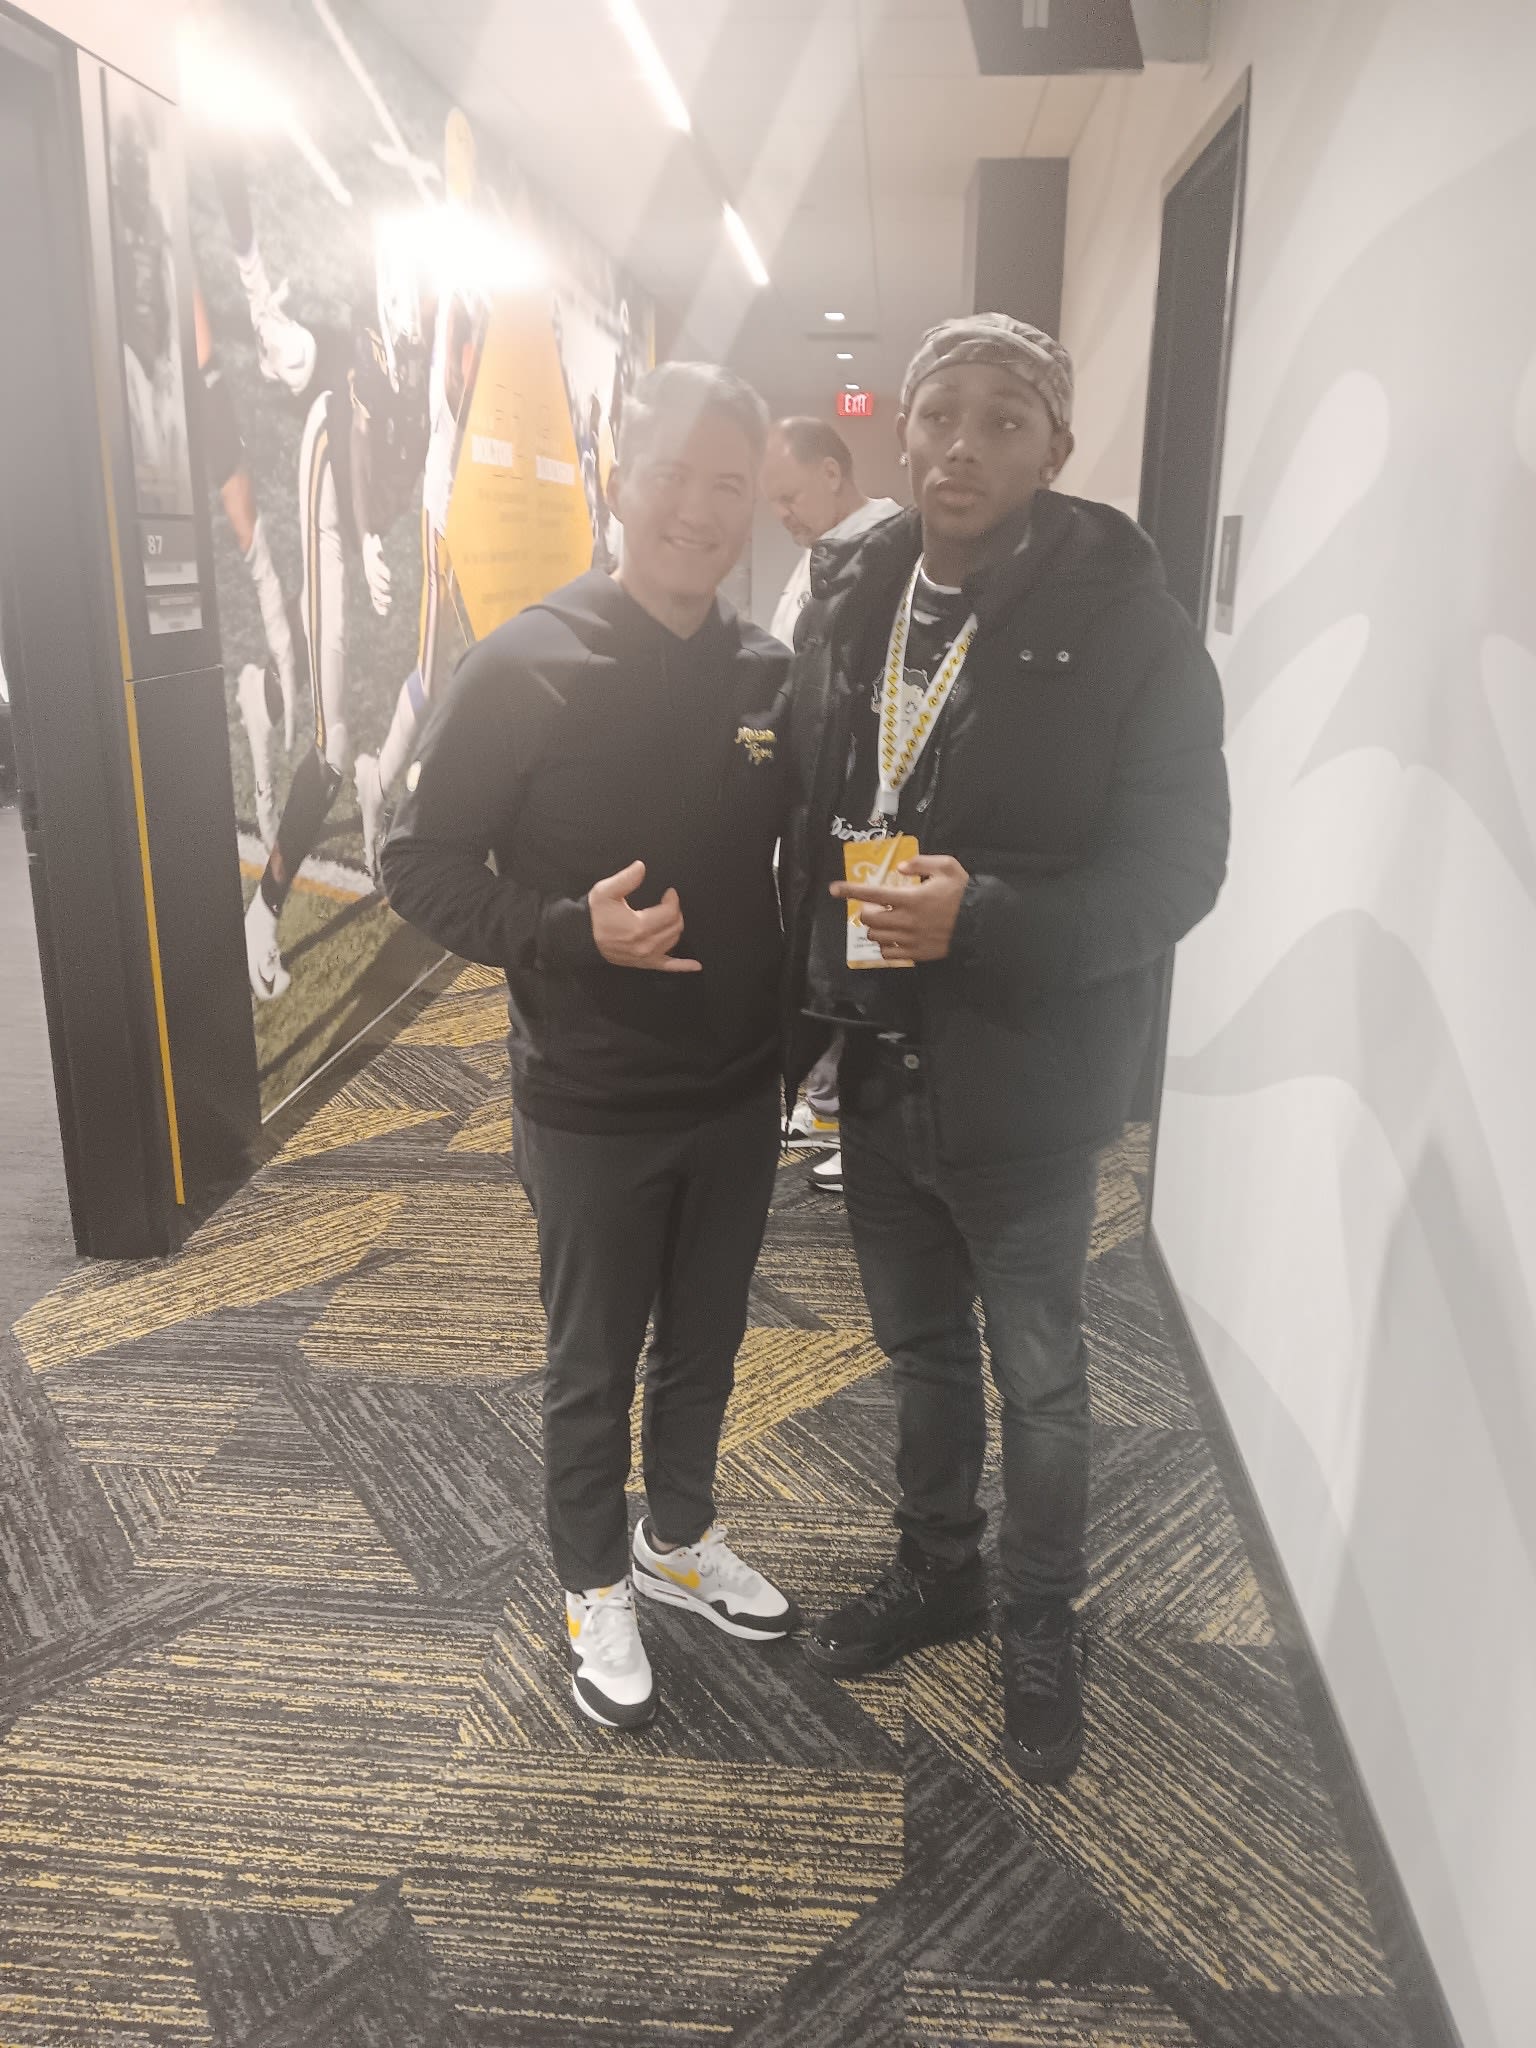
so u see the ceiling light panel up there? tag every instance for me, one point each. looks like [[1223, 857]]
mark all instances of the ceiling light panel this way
[[653, 69], [745, 247]]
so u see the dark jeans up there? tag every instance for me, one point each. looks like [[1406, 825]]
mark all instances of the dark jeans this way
[[664, 1223], [929, 1239]]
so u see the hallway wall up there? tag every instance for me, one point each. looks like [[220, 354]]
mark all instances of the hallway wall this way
[[1346, 1187]]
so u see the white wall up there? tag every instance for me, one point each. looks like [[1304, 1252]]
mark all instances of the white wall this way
[[1347, 1180], [138, 36]]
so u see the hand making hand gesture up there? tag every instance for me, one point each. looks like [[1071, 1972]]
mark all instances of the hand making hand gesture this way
[[636, 938]]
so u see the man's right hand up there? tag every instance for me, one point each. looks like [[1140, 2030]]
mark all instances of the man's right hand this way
[[636, 938]]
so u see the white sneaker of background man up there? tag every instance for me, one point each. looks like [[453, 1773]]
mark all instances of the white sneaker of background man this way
[[807, 1129]]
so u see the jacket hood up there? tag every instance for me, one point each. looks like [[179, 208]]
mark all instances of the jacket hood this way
[[1063, 539], [603, 616]]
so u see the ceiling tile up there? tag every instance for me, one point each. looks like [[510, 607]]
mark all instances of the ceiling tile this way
[[846, 131]]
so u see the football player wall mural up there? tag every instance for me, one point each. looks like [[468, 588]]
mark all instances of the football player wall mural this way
[[147, 309], [413, 371]]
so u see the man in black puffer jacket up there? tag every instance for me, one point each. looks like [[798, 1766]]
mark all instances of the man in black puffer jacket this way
[[1004, 677]]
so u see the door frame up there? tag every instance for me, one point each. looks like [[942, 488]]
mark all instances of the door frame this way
[[1235, 107], [74, 766]]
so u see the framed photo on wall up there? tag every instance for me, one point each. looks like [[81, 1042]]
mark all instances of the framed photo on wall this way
[[143, 178], [136, 183]]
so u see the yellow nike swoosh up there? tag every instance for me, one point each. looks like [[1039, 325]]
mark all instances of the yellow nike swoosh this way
[[689, 1580]]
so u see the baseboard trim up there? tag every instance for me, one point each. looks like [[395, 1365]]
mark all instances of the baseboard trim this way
[[1418, 1986]]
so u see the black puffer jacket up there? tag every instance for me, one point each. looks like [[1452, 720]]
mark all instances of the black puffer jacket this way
[[1081, 783]]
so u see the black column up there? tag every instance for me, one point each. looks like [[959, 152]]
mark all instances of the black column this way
[[1016, 238], [123, 766]]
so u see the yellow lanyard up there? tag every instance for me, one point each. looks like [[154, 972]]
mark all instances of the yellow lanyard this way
[[901, 739]]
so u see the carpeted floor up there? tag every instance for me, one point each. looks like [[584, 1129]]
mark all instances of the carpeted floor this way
[[286, 1750]]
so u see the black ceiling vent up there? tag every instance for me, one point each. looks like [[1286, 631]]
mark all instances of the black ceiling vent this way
[[1037, 38]]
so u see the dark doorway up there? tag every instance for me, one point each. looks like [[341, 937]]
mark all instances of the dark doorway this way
[[1186, 418]]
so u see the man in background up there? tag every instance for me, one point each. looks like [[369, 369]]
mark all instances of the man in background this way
[[808, 479]]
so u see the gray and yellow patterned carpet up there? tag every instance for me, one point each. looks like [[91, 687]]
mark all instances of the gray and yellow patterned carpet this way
[[286, 1752]]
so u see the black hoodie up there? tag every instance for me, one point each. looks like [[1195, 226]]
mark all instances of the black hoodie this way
[[1077, 776], [581, 736]]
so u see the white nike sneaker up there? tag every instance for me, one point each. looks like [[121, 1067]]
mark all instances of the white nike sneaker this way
[[710, 1579], [285, 349], [827, 1174], [269, 977], [611, 1678], [256, 716], [807, 1128], [370, 801]]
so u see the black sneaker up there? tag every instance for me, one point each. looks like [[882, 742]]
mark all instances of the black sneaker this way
[[904, 1610], [1044, 1655]]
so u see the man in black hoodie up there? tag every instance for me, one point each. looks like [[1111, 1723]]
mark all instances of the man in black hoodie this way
[[616, 751], [1003, 677]]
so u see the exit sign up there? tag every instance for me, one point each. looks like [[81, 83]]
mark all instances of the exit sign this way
[[855, 405]]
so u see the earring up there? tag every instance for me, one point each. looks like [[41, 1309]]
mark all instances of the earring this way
[[903, 461]]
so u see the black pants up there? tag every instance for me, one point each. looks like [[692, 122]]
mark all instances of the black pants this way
[[666, 1224], [930, 1237]]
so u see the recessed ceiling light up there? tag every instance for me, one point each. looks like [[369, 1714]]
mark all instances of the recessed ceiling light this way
[[652, 65], [850, 387], [845, 355], [837, 316], [746, 248]]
